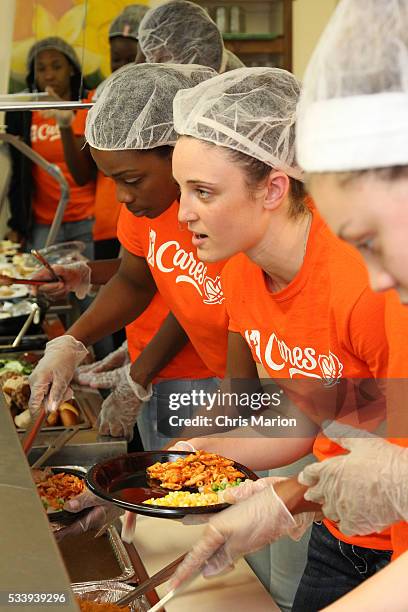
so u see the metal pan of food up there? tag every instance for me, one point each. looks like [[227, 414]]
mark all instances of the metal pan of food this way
[[14, 372], [15, 314], [90, 595], [89, 559], [167, 484], [57, 485]]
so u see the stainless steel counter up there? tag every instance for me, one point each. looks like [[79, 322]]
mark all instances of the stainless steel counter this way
[[30, 561]]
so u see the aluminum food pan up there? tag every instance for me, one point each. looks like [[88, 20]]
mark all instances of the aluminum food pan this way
[[104, 592], [120, 552]]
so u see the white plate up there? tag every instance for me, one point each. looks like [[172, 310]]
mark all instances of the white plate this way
[[17, 291]]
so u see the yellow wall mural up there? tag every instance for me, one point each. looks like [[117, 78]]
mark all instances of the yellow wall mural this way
[[36, 19]]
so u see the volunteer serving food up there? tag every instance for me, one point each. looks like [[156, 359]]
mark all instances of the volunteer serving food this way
[[291, 268]]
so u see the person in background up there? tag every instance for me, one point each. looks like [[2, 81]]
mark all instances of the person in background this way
[[164, 38], [52, 67], [123, 45]]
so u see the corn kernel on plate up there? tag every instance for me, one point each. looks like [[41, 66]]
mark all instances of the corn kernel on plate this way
[[128, 482]]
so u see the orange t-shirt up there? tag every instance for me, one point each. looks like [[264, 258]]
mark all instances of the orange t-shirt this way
[[141, 331], [190, 288], [325, 326], [46, 140], [395, 314], [107, 208]]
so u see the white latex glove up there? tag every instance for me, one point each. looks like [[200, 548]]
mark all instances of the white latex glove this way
[[237, 531], [105, 380], [50, 379], [366, 490], [183, 445], [75, 277], [102, 513], [84, 375], [120, 410], [235, 495], [63, 118]]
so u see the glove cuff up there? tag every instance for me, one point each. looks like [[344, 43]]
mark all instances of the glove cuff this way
[[141, 393], [84, 287]]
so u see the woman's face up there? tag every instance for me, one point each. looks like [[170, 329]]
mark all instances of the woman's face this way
[[144, 182], [52, 69], [371, 214], [215, 202], [123, 51]]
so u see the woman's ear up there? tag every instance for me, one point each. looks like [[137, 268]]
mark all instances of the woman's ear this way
[[276, 189]]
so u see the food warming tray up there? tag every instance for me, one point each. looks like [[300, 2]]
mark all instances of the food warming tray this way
[[109, 592]]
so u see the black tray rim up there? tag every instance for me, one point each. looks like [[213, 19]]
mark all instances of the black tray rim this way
[[157, 511]]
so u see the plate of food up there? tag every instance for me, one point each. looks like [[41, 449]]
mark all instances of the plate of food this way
[[57, 485], [167, 484]]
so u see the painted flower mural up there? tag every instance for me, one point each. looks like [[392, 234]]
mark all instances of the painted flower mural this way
[[36, 19]]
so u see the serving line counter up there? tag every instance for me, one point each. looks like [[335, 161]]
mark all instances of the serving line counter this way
[[30, 560], [159, 541]]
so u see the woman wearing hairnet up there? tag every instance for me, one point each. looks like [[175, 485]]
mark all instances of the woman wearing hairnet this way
[[352, 136], [52, 66], [130, 132], [164, 37], [310, 313]]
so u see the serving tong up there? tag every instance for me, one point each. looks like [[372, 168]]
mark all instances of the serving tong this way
[[7, 280], [54, 277], [148, 585], [57, 444]]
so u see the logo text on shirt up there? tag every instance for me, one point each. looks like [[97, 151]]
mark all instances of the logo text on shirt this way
[[302, 361], [45, 131], [169, 256]]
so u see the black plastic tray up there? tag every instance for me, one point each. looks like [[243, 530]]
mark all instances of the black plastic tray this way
[[124, 482]]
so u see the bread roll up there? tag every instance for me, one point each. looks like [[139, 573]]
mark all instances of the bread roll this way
[[53, 418], [69, 414]]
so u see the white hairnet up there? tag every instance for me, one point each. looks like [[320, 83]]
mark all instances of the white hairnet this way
[[353, 112], [134, 109], [180, 32], [230, 61], [251, 110], [127, 23]]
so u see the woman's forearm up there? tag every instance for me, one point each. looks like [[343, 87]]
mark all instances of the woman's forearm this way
[[256, 453], [103, 270], [116, 305]]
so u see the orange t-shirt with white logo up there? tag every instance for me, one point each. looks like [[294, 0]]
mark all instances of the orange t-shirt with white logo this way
[[190, 288], [46, 140], [325, 326]]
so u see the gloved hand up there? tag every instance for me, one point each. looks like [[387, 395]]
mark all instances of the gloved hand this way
[[85, 374], [182, 445], [63, 118], [120, 410], [75, 277], [364, 491], [245, 527], [50, 379], [102, 513]]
